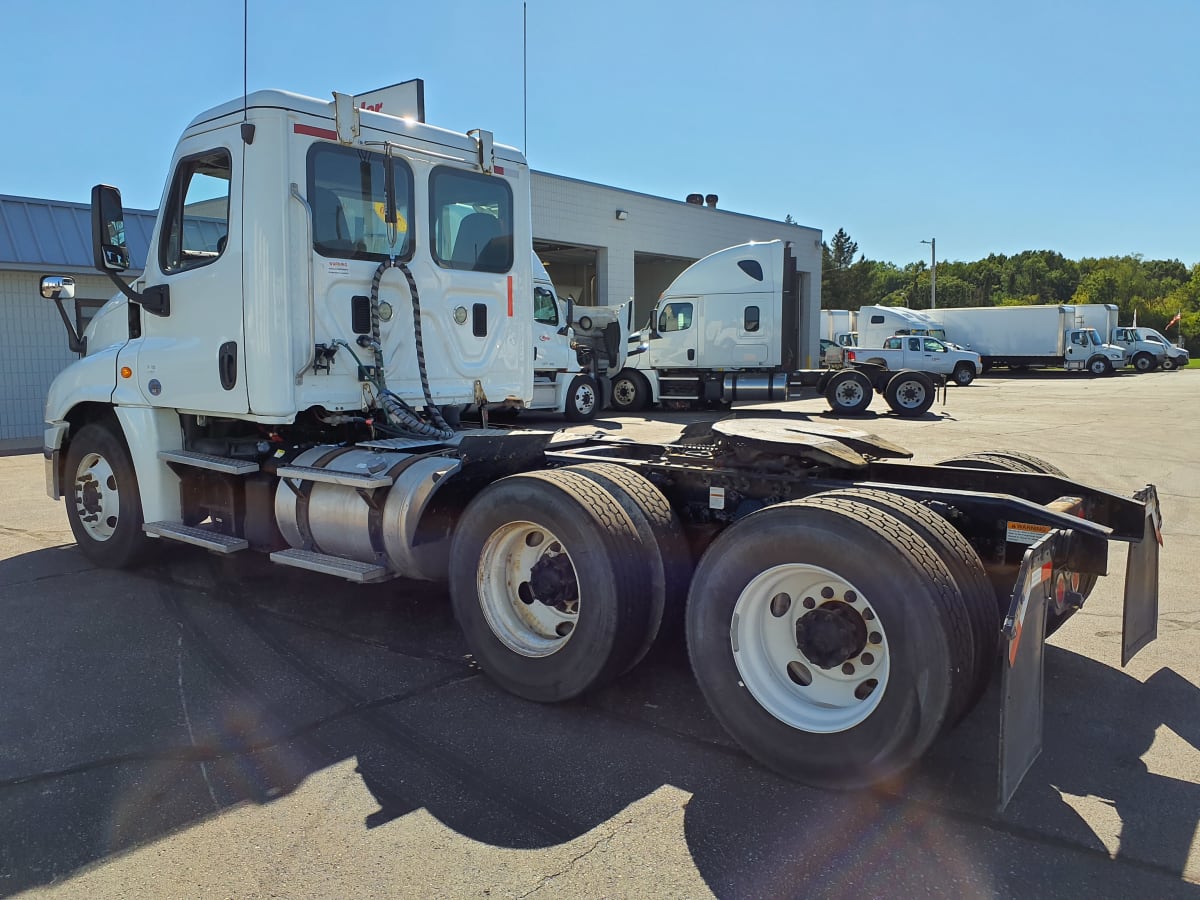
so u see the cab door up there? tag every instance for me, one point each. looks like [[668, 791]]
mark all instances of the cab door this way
[[673, 345], [193, 357], [550, 348]]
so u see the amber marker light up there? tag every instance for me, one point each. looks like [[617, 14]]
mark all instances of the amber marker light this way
[[126, 372]]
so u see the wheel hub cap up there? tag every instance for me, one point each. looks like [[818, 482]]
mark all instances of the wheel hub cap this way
[[831, 634]]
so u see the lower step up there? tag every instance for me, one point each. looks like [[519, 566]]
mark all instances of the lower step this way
[[350, 569], [199, 537]]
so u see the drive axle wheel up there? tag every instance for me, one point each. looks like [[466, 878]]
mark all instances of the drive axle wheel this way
[[104, 507], [549, 583], [848, 392], [827, 670], [909, 394]]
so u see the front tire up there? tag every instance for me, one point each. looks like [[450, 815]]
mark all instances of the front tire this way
[[1144, 362], [104, 506], [840, 691], [1100, 365], [1168, 364], [631, 391], [583, 399], [549, 583], [964, 374]]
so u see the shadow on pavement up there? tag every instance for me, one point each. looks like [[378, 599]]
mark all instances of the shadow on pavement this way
[[139, 704]]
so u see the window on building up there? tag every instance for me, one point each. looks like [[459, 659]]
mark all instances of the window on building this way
[[675, 316], [347, 191], [197, 220], [471, 220], [545, 310]]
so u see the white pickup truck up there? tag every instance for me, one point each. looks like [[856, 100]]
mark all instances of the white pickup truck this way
[[920, 352]]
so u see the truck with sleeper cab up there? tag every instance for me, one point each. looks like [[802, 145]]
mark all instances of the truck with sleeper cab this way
[[328, 288]]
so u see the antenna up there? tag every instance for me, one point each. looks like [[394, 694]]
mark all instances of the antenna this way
[[247, 128], [525, 75]]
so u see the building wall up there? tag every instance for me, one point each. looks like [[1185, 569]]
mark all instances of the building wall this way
[[33, 347]]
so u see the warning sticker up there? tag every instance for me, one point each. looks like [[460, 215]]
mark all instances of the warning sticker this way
[[338, 267], [716, 498], [1025, 533]]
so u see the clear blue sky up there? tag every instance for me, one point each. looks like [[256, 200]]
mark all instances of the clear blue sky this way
[[998, 127]]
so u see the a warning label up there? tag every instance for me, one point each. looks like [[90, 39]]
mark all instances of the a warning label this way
[[1026, 533]]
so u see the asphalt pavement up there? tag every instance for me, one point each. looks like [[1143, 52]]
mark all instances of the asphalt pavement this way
[[222, 726]]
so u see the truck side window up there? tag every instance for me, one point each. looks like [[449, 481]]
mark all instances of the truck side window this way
[[914, 344], [933, 345], [892, 343], [545, 310], [471, 220], [675, 317], [196, 226], [348, 197], [750, 319]]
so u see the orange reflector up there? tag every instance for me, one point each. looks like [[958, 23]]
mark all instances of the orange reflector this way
[[510, 296], [126, 372]]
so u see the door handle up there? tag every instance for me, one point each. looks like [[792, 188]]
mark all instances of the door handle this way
[[227, 365], [691, 354]]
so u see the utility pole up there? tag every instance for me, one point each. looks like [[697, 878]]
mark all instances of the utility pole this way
[[932, 242]]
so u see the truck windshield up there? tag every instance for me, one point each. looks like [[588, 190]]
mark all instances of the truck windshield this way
[[1094, 337]]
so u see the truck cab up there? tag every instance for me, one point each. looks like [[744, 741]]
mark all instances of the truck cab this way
[[1144, 355], [1174, 357]]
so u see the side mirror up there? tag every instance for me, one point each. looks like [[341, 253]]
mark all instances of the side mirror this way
[[570, 315], [58, 287], [110, 253]]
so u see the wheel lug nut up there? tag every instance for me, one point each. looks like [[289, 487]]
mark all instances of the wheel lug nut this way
[[867, 659], [809, 603], [876, 637], [847, 668]]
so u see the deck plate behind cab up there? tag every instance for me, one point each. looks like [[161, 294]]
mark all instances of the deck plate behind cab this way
[[833, 445]]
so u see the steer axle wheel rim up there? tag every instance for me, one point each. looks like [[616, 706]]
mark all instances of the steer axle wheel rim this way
[[528, 589], [810, 648], [910, 394], [97, 501], [585, 397], [624, 391]]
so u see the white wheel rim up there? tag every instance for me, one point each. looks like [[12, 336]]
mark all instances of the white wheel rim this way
[[849, 393], [508, 584], [773, 666], [624, 392], [910, 394], [97, 500], [585, 398]]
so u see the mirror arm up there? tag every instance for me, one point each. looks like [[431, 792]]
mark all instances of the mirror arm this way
[[155, 300], [75, 343]]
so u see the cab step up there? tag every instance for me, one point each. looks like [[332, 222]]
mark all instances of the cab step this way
[[330, 476], [224, 464], [197, 536], [350, 569]]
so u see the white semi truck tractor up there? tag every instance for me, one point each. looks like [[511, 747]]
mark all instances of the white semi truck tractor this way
[[327, 287]]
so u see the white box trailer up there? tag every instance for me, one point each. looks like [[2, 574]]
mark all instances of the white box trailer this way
[[1028, 337], [840, 326]]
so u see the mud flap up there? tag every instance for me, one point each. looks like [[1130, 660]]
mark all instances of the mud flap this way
[[1139, 616], [1023, 639]]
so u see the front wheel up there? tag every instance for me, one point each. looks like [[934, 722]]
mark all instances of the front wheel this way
[[1168, 364], [631, 391], [583, 399], [1100, 365], [964, 374], [1144, 362], [104, 506]]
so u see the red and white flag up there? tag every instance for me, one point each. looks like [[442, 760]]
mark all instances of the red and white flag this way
[[1177, 317]]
